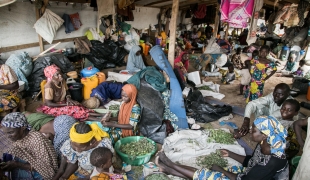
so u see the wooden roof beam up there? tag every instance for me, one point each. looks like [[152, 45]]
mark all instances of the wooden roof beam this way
[[156, 2]]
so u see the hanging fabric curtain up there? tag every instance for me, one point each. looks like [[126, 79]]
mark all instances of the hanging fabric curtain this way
[[252, 33], [236, 12], [105, 7]]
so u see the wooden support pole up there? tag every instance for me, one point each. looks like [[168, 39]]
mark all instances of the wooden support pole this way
[[217, 20], [40, 38], [226, 33], [173, 25]]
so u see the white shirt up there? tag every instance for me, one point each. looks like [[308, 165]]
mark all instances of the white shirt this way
[[258, 106]]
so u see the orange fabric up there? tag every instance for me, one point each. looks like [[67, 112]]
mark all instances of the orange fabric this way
[[126, 108]]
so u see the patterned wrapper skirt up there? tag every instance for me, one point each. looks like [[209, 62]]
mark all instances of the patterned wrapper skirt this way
[[78, 112], [9, 100]]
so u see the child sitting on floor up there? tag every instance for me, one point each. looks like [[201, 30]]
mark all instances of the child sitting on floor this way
[[288, 110], [101, 158], [245, 76], [228, 75], [303, 69]]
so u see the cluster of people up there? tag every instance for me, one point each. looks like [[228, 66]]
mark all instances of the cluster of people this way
[[278, 138], [57, 141]]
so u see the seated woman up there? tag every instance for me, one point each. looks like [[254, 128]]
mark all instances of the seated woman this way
[[135, 62], [33, 155], [58, 100], [128, 117], [181, 64], [76, 151], [267, 160], [9, 97], [55, 128]]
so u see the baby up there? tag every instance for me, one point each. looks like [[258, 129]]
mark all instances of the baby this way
[[245, 76]]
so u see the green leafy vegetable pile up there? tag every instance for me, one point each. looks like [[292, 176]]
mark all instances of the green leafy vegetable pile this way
[[213, 158], [204, 88], [137, 148], [157, 176], [114, 107], [220, 136]]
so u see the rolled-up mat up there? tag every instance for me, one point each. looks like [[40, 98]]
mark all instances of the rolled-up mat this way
[[176, 104]]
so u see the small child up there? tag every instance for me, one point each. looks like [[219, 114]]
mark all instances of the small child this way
[[101, 158], [291, 65], [229, 75], [288, 110], [245, 76], [255, 54]]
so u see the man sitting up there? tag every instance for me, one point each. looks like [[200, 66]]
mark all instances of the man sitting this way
[[267, 105]]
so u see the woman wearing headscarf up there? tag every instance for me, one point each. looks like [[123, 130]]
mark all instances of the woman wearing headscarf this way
[[267, 162], [135, 62], [58, 99], [128, 117], [33, 155], [9, 97], [55, 128], [84, 138]]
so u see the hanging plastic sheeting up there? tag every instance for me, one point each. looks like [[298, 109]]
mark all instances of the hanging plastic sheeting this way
[[253, 29], [21, 65], [47, 25], [236, 12]]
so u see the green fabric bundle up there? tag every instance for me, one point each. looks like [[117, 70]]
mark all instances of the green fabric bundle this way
[[37, 120]]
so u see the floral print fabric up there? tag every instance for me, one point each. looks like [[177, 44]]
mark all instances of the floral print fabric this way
[[258, 73]]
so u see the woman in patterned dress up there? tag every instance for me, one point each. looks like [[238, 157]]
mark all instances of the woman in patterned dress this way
[[33, 155], [9, 97], [267, 162], [259, 74]]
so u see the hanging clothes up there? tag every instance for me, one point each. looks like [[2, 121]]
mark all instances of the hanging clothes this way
[[201, 11], [252, 35], [236, 12]]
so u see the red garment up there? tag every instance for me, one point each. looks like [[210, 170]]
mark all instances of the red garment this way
[[180, 59], [201, 11], [78, 112]]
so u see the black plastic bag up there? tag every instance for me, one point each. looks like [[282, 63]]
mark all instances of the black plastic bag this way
[[152, 110], [61, 61], [37, 74], [98, 61], [202, 111]]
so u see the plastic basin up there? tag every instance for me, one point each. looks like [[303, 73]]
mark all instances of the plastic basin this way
[[138, 160]]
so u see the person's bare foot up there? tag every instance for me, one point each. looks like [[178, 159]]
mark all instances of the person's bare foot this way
[[163, 158]]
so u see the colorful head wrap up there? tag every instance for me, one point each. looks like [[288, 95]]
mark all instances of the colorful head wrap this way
[[49, 71], [15, 120], [126, 108], [95, 132], [276, 133]]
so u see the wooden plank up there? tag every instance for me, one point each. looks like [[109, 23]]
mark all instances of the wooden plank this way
[[72, 1], [173, 26], [40, 38], [36, 44], [217, 20], [156, 2]]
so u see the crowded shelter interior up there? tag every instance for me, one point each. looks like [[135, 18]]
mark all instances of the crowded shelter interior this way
[[154, 89]]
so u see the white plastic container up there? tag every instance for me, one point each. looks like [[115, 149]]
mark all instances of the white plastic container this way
[[195, 77]]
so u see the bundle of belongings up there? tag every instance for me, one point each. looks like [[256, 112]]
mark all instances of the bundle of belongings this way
[[202, 111]]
